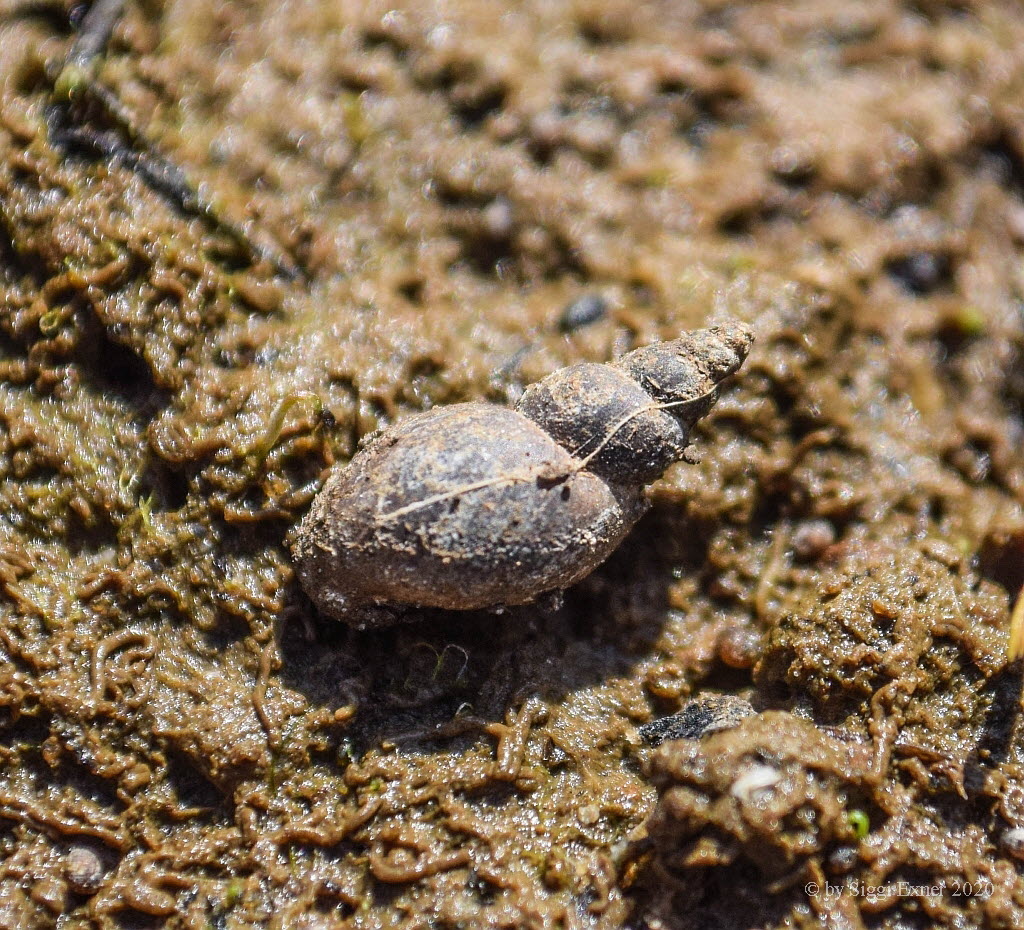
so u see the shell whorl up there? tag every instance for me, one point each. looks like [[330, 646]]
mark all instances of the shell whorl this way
[[630, 420]]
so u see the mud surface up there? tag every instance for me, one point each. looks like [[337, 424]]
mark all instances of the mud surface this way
[[394, 206]]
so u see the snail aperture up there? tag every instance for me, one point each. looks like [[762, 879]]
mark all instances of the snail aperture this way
[[481, 506]]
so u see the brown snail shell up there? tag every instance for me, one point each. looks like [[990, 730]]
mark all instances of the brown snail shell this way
[[475, 505]]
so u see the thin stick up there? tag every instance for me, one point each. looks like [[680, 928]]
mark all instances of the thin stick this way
[[463, 489], [76, 85], [647, 408], [94, 33]]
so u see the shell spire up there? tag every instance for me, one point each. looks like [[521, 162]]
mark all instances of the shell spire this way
[[688, 371], [631, 419]]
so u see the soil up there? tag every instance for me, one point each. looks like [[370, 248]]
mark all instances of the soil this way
[[262, 231]]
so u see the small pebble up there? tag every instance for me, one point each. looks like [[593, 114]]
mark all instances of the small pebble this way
[[1012, 842], [701, 716], [84, 869], [582, 312], [755, 782], [791, 162], [498, 219], [811, 538], [920, 272]]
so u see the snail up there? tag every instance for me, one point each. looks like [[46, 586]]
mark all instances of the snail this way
[[477, 505]]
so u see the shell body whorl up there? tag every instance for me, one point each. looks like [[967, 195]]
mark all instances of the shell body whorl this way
[[475, 543], [477, 505]]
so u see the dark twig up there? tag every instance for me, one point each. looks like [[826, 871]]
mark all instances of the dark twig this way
[[94, 33], [81, 101]]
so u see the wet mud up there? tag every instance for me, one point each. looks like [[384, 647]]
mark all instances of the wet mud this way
[[255, 233]]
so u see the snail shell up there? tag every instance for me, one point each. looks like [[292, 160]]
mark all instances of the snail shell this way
[[475, 505]]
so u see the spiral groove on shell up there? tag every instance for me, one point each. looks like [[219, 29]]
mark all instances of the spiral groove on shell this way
[[477, 505]]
